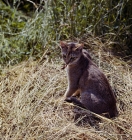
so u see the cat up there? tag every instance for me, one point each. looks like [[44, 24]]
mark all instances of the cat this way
[[86, 80]]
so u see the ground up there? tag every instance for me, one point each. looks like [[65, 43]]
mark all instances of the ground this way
[[32, 106]]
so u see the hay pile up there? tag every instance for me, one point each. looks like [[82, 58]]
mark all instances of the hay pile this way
[[32, 107]]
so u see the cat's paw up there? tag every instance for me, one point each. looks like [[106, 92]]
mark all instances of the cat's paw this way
[[68, 99]]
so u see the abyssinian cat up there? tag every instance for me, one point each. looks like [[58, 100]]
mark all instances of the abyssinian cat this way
[[85, 79]]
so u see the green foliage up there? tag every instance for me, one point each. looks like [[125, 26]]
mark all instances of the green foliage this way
[[111, 19], [22, 36]]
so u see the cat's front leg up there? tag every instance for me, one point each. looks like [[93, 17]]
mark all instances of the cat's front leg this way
[[70, 91]]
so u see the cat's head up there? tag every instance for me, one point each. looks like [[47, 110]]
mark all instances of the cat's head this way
[[71, 52]]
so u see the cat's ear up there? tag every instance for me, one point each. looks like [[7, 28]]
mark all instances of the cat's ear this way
[[63, 44], [79, 46]]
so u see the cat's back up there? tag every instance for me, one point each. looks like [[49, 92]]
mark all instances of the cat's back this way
[[94, 81]]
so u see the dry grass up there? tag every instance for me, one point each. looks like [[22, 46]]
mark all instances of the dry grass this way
[[32, 107]]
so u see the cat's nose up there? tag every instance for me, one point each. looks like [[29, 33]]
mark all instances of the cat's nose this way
[[67, 62]]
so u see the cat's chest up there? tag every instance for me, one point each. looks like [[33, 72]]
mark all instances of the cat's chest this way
[[76, 72]]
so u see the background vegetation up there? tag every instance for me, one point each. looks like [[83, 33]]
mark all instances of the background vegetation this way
[[28, 28]]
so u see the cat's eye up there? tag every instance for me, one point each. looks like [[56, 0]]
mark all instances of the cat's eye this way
[[64, 56], [73, 57]]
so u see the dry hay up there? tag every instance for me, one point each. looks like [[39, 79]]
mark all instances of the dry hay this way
[[32, 107]]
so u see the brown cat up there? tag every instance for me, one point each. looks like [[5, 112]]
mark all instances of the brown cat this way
[[85, 78]]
